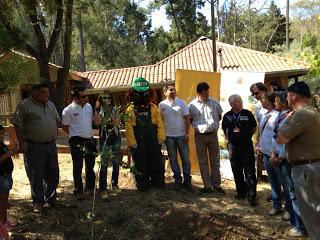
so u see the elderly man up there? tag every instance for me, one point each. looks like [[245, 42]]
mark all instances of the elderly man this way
[[300, 133], [238, 126], [36, 125], [205, 114], [175, 114]]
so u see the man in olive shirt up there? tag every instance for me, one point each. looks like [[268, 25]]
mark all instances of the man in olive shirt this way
[[301, 134], [36, 124]]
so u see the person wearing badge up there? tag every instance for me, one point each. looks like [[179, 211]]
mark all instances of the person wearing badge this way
[[238, 126]]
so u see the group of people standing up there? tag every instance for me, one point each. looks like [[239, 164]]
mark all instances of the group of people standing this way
[[288, 140]]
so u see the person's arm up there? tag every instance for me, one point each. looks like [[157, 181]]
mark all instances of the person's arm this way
[[65, 128], [188, 123], [8, 154], [18, 122], [281, 139]]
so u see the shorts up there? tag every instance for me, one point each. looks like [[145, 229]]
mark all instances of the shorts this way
[[6, 183]]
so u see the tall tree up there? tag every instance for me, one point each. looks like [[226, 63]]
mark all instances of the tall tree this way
[[36, 13]]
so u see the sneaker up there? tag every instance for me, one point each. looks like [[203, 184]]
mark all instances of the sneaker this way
[[206, 190], [286, 216], [104, 195], [274, 211], [293, 232], [219, 190], [37, 208], [188, 187]]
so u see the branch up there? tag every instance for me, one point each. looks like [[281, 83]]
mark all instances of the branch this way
[[36, 26], [57, 28], [16, 37]]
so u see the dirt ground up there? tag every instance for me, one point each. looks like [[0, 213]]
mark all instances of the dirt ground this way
[[156, 214]]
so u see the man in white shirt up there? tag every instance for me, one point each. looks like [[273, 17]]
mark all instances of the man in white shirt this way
[[205, 113], [175, 115], [77, 120]]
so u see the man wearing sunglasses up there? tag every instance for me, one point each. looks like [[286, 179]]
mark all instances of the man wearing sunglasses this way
[[77, 120]]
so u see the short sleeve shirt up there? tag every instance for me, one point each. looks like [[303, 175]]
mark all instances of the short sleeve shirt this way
[[39, 122], [174, 114], [6, 167], [205, 114], [79, 119], [238, 127], [302, 128]]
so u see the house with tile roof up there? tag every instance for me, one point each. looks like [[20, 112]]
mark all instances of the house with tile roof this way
[[198, 56]]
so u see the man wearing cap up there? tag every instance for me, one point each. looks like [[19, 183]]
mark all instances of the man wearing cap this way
[[145, 135], [301, 134]]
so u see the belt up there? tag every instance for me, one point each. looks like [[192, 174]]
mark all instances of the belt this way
[[304, 162], [29, 141], [206, 133]]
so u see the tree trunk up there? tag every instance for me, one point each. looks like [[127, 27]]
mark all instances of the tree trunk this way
[[81, 44], [44, 70], [63, 76]]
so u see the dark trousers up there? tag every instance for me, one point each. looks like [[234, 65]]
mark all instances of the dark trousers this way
[[243, 168], [83, 149], [41, 163], [148, 158]]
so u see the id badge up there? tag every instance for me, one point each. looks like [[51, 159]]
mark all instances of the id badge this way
[[236, 130]]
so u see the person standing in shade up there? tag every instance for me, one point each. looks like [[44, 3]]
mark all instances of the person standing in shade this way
[[175, 114], [205, 114], [301, 134], [110, 143], [36, 124], [238, 126], [77, 120]]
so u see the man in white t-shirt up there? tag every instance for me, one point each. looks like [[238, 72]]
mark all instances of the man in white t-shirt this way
[[77, 120], [175, 114]]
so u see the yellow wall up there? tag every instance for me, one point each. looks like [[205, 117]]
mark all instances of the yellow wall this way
[[186, 86]]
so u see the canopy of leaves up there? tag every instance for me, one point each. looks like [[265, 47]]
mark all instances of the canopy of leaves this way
[[18, 70]]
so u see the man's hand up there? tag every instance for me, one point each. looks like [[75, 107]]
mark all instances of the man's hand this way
[[186, 139]]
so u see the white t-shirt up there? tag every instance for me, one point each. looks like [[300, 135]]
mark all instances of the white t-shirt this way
[[79, 119], [173, 114]]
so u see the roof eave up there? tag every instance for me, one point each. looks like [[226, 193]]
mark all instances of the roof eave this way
[[290, 73]]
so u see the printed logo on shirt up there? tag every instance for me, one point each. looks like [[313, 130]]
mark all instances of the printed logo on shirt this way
[[75, 115], [244, 118]]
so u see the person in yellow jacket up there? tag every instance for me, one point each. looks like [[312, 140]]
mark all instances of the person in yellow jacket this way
[[145, 134]]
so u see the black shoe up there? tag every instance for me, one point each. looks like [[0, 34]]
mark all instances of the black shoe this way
[[206, 190], [79, 196], [188, 187], [253, 202], [177, 185], [219, 190], [239, 197]]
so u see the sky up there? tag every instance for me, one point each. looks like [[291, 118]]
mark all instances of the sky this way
[[159, 17]]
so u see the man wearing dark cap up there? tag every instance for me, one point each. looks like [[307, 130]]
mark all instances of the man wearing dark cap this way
[[301, 134]]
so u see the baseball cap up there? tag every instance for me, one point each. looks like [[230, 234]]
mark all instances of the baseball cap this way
[[300, 88], [140, 84]]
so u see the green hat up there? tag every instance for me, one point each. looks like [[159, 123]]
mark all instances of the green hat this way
[[139, 84]]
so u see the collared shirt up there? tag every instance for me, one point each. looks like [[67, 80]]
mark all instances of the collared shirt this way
[[174, 114], [276, 147], [79, 119], [205, 114], [266, 128], [302, 128], [39, 122]]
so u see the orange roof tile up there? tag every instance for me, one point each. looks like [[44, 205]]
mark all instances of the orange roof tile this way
[[198, 56]]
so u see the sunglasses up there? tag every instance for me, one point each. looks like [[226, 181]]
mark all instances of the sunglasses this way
[[255, 93], [83, 97], [106, 98]]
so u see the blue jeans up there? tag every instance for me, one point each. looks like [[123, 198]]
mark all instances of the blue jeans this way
[[295, 219], [109, 153], [177, 143], [274, 182]]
